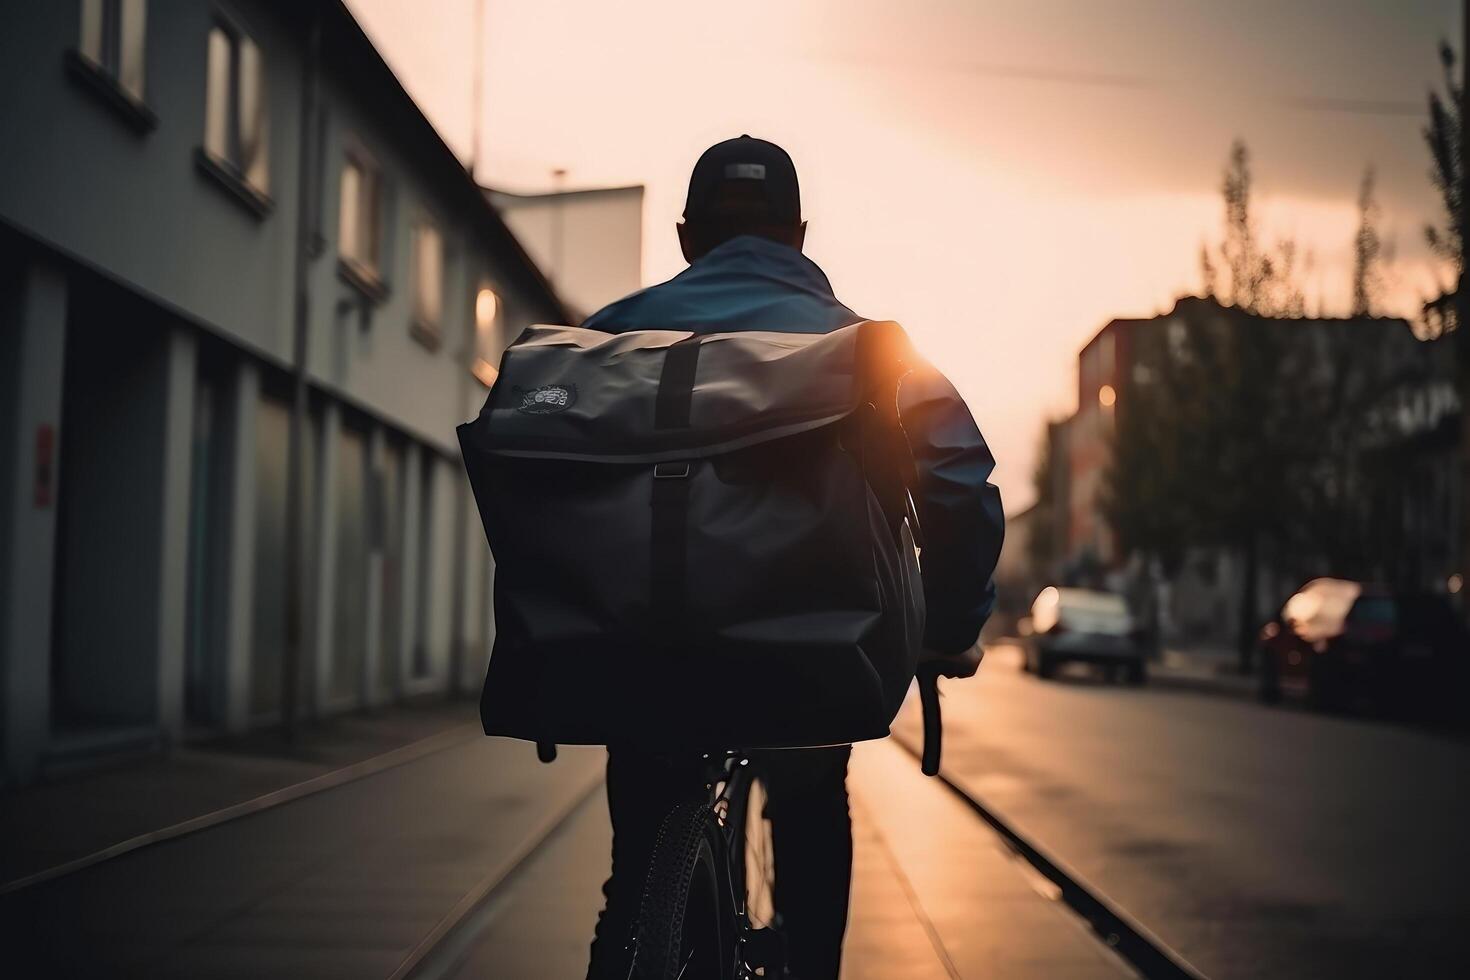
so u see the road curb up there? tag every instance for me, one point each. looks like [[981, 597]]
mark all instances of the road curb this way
[[1129, 938], [437, 952]]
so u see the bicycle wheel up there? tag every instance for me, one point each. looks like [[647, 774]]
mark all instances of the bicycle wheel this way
[[753, 856], [684, 931], [761, 949]]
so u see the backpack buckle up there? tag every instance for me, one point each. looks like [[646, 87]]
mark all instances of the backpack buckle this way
[[670, 471]]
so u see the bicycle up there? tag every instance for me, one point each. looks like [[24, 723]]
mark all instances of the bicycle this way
[[695, 920]]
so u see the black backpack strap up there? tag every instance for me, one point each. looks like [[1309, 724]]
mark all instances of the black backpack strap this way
[[668, 558], [676, 385]]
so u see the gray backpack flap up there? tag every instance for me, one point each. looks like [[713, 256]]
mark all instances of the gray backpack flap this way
[[701, 542]]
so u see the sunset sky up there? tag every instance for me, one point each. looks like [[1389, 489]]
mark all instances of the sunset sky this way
[[1001, 177]]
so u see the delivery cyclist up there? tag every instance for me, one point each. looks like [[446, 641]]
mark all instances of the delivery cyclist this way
[[742, 235]]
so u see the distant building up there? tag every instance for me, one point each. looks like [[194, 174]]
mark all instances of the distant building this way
[[1017, 580], [164, 175], [1402, 412], [590, 242], [1104, 367]]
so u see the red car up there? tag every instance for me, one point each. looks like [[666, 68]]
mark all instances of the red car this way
[[1338, 643]]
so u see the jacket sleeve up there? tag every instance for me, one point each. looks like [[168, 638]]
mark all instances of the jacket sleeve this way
[[959, 509]]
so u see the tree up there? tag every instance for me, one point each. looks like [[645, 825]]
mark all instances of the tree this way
[[1152, 482], [1207, 272], [1248, 270], [1445, 136], [1262, 281], [1237, 366], [1206, 437], [1367, 250]]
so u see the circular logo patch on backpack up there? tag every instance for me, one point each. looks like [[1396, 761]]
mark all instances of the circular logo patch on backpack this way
[[546, 399]]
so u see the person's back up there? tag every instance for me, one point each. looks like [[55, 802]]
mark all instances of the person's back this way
[[743, 235]]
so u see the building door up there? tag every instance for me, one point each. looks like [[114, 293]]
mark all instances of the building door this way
[[268, 633], [423, 608], [389, 522], [209, 519], [440, 575], [349, 603], [109, 560]]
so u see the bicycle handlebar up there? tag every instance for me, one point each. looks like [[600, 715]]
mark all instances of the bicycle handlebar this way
[[933, 724]]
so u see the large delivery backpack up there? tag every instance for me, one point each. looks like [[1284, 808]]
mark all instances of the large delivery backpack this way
[[701, 542]]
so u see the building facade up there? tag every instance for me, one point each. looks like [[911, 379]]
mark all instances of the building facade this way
[[1386, 487], [187, 184], [589, 242], [1103, 370]]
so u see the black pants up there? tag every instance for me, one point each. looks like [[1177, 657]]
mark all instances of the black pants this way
[[806, 792]]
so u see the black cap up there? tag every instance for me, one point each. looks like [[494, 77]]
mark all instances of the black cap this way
[[745, 159]]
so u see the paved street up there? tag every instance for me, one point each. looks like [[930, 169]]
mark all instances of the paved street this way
[[343, 883], [353, 881], [934, 891], [1257, 842]]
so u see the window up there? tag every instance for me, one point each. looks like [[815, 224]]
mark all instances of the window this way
[[108, 58], [235, 124], [428, 280], [360, 223], [363, 204], [112, 40]]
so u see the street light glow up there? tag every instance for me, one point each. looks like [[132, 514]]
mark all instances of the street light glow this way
[[487, 305]]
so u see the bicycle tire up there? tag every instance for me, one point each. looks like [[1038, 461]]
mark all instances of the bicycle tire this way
[[683, 930], [750, 855]]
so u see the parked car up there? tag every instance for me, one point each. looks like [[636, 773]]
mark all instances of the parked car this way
[[1082, 626], [1338, 643]]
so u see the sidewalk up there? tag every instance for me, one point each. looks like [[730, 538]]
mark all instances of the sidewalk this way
[[51, 823], [345, 882], [341, 883], [935, 895]]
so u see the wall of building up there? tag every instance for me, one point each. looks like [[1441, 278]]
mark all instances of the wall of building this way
[[147, 318], [1398, 406], [34, 340], [137, 204], [590, 242]]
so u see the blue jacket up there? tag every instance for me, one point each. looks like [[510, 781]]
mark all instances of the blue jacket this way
[[753, 283]]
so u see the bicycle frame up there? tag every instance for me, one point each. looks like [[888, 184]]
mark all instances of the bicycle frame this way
[[728, 775], [729, 780]]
